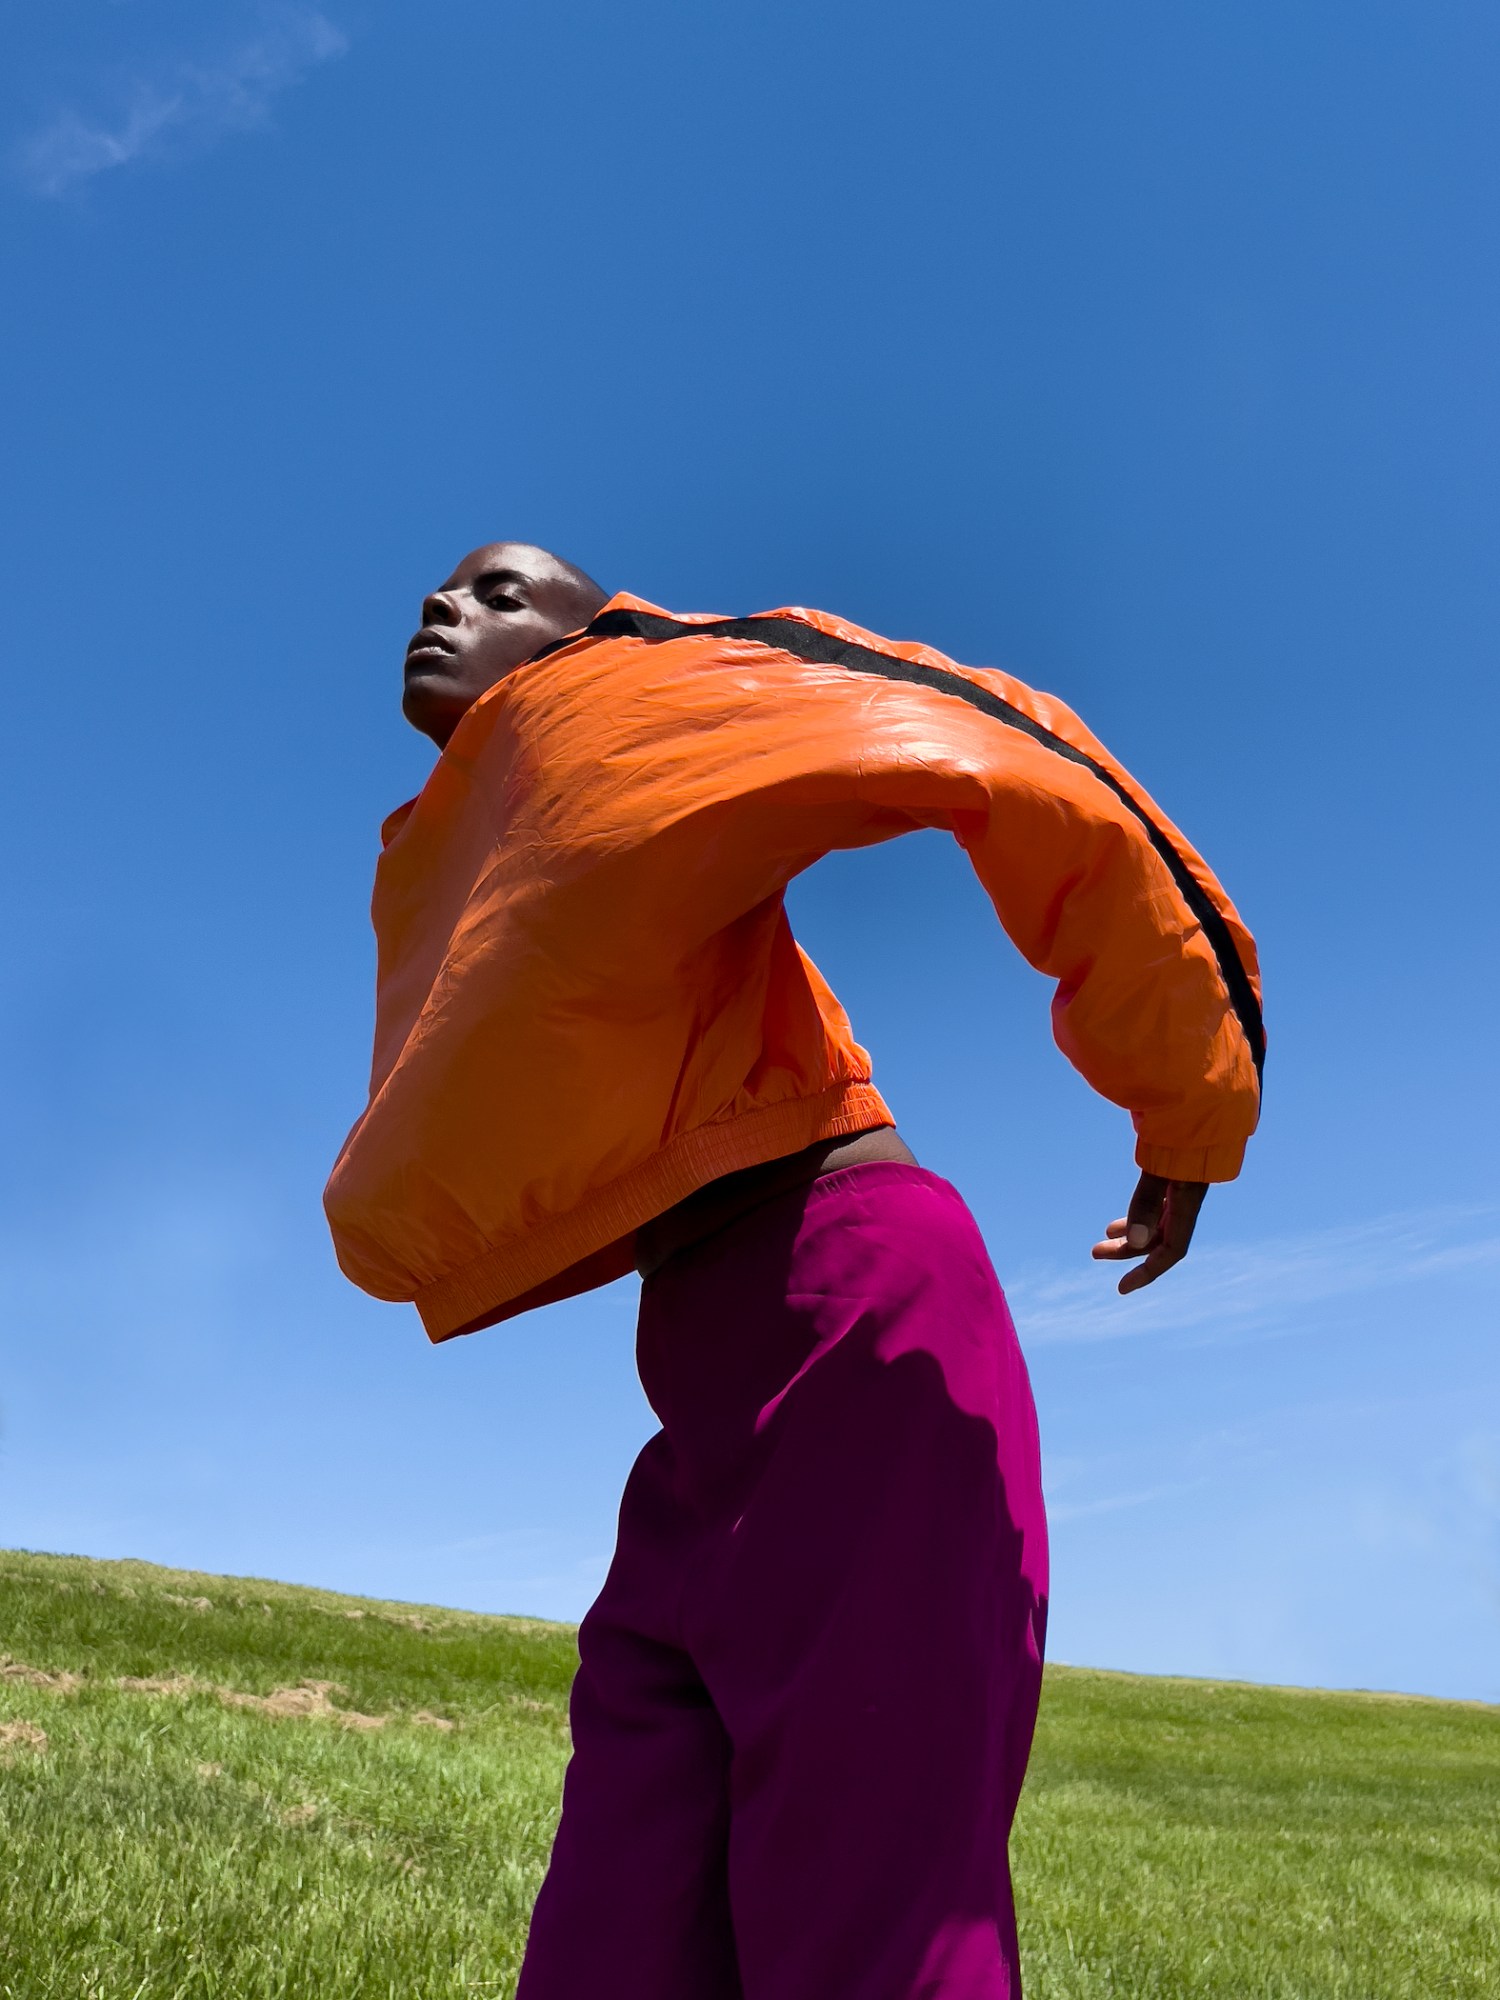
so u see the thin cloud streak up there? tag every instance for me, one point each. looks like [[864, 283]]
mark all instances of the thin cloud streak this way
[[1243, 1292], [187, 109], [1113, 1503]]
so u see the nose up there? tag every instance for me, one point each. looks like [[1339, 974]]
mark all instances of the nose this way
[[439, 609]]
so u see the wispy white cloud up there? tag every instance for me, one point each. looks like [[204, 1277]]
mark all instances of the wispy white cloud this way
[[184, 108], [1115, 1503], [1264, 1288]]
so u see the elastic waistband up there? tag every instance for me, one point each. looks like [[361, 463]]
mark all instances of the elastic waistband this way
[[866, 1173]]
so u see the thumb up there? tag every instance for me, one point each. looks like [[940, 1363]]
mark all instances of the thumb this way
[[1144, 1217]]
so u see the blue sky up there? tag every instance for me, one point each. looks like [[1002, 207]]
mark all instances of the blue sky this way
[[1147, 352]]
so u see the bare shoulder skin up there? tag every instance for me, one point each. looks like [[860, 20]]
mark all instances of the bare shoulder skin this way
[[504, 603]]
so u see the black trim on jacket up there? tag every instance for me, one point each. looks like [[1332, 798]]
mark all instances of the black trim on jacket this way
[[807, 642]]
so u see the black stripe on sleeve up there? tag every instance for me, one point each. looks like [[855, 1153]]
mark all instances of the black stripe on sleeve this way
[[806, 642]]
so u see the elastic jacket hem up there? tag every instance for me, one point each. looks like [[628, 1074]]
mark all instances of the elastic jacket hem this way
[[592, 1243], [1192, 1163]]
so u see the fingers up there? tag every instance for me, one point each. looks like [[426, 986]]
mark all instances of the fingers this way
[[1114, 1245], [1135, 1233], [1158, 1228], [1169, 1244], [1159, 1260]]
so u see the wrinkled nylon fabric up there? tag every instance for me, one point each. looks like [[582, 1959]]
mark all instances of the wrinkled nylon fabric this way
[[589, 1001]]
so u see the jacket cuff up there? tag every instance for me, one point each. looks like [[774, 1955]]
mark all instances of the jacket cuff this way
[[1202, 1163]]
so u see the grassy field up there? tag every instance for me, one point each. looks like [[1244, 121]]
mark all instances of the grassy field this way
[[219, 1789]]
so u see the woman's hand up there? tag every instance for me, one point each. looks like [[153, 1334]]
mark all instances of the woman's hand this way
[[1159, 1228]]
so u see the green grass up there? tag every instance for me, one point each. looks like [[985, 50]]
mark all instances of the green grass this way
[[1177, 1838]]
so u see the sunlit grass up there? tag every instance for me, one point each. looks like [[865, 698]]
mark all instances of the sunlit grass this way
[[1196, 1838], [381, 1829]]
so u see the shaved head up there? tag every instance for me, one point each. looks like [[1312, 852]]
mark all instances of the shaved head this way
[[502, 604]]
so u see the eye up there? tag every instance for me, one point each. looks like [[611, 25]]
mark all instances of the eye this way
[[502, 600]]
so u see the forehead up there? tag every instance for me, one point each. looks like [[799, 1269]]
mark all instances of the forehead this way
[[519, 557]]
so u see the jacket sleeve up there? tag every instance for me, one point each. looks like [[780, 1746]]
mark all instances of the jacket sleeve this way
[[1157, 1002], [747, 748]]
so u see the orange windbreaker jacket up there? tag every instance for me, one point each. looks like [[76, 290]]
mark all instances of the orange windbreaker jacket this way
[[590, 1003]]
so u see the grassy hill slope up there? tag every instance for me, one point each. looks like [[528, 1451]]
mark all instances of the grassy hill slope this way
[[221, 1789]]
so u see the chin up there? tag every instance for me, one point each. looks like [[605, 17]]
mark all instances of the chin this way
[[430, 707]]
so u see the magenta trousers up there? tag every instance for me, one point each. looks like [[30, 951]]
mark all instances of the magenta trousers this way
[[806, 1692]]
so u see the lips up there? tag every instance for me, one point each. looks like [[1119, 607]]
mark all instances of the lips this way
[[429, 645]]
